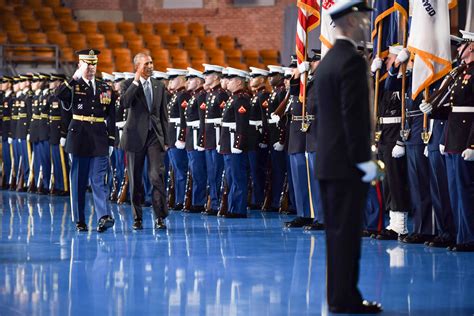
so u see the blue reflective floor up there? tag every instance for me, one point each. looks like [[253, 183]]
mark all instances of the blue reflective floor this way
[[204, 266]]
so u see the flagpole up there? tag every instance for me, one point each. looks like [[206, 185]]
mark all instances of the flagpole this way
[[304, 124], [425, 135], [377, 78]]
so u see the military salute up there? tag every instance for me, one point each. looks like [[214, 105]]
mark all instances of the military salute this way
[[89, 136]]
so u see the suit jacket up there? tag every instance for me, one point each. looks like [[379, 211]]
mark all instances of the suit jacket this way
[[135, 131], [342, 99]]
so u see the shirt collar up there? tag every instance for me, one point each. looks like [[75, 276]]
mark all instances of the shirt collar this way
[[342, 37], [142, 80]]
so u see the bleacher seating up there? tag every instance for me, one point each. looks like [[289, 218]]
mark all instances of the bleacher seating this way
[[179, 45]]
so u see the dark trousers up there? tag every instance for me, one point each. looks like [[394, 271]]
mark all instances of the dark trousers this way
[[179, 162], [215, 168], [197, 166], [60, 167], [461, 190], [300, 180], [236, 175], [278, 159], [440, 195], [42, 161], [343, 203], [7, 160], [318, 214], [257, 160], [156, 174]]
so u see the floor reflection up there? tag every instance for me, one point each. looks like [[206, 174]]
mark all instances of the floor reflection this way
[[203, 266]]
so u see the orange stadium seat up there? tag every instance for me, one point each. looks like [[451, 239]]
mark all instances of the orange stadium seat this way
[[270, 56], [160, 55], [216, 57], [57, 38], [190, 42], [126, 27], [105, 67], [145, 28], [238, 65], [17, 37], [197, 29], [179, 28], [152, 40], [3, 38], [88, 26], [67, 55], [37, 38], [226, 42], [106, 56], [34, 3], [209, 43], [77, 41], [63, 12], [132, 36], [44, 13], [52, 3], [161, 65], [121, 54], [233, 56], [69, 26], [123, 66], [171, 41], [49, 24], [95, 40], [197, 56], [30, 25], [107, 26], [178, 55], [26, 13], [250, 54], [162, 28], [114, 40]]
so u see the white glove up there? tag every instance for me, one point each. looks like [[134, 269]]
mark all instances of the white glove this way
[[28, 137], [398, 151], [179, 144], [199, 148], [80, 71], [262, 145], [402, 56], [425, 107], [376, 64], [235, 150], [120, 134], [278, 147], [218, 148], [111, 150], [275, 117], [303, 67], [468, 154], [425, 152], [62, 142], [370, 170], [19, 140], [10, 140], [441, 149], [120, 124]]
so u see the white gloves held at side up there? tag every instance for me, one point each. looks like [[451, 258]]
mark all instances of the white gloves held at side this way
[[376, 64], [62, 142], [180, 144], [10, 140], [235, 150], [398, 151], [111, 150], [426, 107], [370, 170], [278, 147], [468, 154]]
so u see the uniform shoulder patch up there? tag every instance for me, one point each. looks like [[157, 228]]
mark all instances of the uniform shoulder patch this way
[[203, 106], [222, 105], [242, 110], [184, 104], [265, 104]]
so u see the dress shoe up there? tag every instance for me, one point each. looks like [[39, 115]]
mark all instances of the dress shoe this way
[[234, 215], [160, 223], [178, 207], [441, 242], [270, 210], [415, 238], [466, 247], [314, 226], [389, 234], [365, 307], [209, 212], [370, 233], [137, 224], [299, 222], [42, 191], [81, 227], [254, 207], [194, 209], [104, 223], [287, 212], [21, 189]]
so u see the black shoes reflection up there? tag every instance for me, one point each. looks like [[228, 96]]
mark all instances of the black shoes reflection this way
[[104, 223], [81, 227], [365, 307], [159, 224]]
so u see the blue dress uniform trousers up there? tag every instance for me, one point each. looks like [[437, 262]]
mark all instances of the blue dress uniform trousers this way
[[16, 158], [179, 161], [215, 168], [278, 160], [291, 190], [257, 160], [440, 195], [235, 170], [22, 147], [373, 212], [299, 177], [418, 181], [119, 164], [83, 169], [42, 160], [197, 166], [461, 190], [7, 160], [58, 173], [318, 213]]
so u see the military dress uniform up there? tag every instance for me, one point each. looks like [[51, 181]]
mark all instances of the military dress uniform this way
[[24, 107], [177, 132], [277, 136], [14, 142], [59, 162], [233, 145], [216, 99], [458, 140], [39, 136], [90, 122], [195, 133], [7, 148], [258, 141]]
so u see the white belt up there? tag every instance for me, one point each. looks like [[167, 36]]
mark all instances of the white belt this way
[[463, 109], [193, 124], [390, 120], [255, 123], [230, 125], [272, 121], [120, 124], [214, 121], [175, 120]]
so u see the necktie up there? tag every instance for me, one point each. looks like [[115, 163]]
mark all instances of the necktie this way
[[147, 90]]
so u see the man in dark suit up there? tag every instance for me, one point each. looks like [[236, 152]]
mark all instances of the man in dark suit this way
[[145, 135], [343, 150]]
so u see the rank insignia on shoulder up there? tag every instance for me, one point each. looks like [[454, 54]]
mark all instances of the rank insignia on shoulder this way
[[265, 104], [242, 110], [467, 77], [203, 106], [222, 105], [184, 104]]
